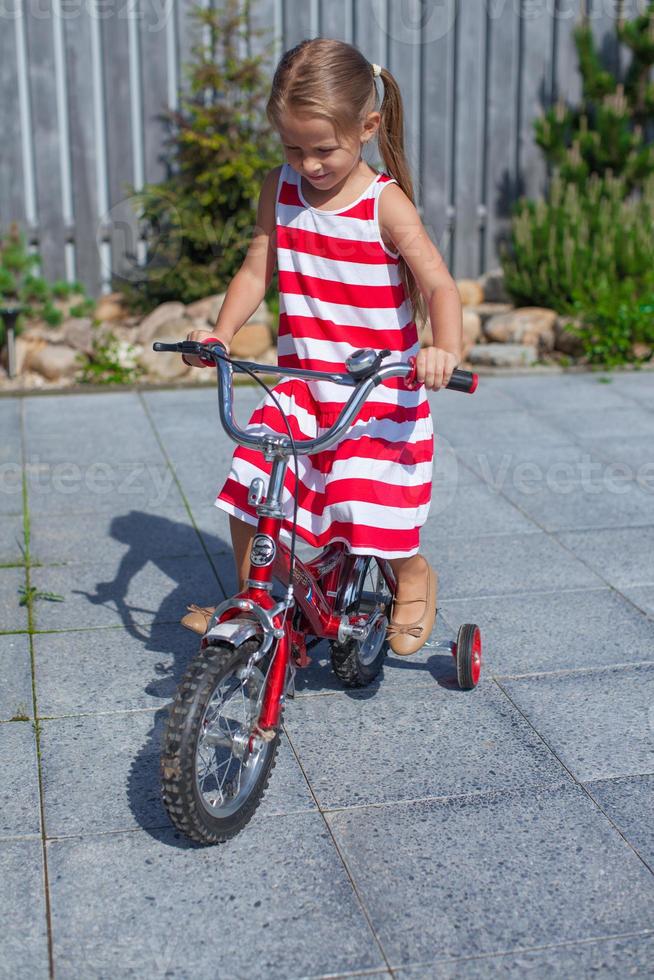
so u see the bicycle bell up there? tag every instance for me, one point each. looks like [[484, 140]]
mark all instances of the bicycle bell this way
[[364, 361]]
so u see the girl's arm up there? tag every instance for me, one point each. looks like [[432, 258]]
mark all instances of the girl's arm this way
[[248, 287], [402, 228]]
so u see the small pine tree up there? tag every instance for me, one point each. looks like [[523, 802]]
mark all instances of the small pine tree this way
[[200, 218], [611, 129]]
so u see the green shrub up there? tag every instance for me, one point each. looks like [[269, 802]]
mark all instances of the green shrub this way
[[587, 251], [20, 284], [199, 220]]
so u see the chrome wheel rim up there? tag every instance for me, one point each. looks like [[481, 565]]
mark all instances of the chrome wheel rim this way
[[227, 759]]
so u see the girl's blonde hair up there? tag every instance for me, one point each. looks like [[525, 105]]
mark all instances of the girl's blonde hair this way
[[332, 79]]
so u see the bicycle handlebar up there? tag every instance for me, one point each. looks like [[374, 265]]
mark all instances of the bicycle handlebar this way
[[363, 376]]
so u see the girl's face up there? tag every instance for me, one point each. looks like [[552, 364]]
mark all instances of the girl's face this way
[[313, 149]]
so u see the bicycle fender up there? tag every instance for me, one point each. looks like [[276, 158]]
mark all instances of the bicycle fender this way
[[233, 631]]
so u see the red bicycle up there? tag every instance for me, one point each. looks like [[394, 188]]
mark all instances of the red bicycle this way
[[222, 732]]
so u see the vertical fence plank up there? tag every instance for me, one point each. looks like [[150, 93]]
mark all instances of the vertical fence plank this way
[[405, 21], [83, 147], [122, 226], [336, 19], [296, 21], [469, 109], [567, 78], [12, 194], [153, 24], [435, 124], [46, 138], [501, 180], [535, 92]]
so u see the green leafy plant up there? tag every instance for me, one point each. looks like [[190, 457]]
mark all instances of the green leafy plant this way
[[199, 220], [111, 361], [607, 131], [30, 593], [19, 283]]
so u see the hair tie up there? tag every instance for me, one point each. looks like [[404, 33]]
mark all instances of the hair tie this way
[[376, 69]]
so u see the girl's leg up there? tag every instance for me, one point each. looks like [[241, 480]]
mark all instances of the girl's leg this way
[[197, 617], [416, 597], [242, 535]]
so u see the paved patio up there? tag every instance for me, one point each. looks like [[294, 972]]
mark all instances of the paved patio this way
[[412, 830]]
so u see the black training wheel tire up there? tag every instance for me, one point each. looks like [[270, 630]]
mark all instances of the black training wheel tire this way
[[468, 656], [181, 795]]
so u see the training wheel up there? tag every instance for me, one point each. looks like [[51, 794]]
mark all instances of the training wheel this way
[[468, 656]]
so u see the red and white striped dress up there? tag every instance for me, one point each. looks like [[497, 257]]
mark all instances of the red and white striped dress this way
[[340, 289]]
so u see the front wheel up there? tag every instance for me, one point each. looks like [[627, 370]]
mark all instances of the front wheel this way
[[213, 770], [358, 662]]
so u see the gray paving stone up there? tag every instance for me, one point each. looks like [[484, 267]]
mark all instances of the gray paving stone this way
[[70, 488], [590, 426], [525, 634], [629, 802], [503, 563], [508, 430], [411, 743], [528, 464], [19, 789], [88, 671], [492, 873], [630, 454], [469, 509], [10, 447], [74, 538], [566, 394], [12, 539], [129, 903], [13, 616], [642, 596], [609, 503], [599, 723], [492, 395], [11, 472], [15, 676], [629, 957], [101, 773], [136, 591], [621, 556], [24, 938]]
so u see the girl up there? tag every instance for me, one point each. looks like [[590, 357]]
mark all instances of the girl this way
[[356, 268]]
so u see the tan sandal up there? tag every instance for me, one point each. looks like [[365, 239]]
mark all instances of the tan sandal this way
[[407, 638], [197, 618]]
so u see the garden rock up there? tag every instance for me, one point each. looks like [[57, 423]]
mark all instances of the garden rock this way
[[470, 292], [564, 340], [162, 315], [110, 307], [503, 355], [54, 361], [486, 310], [251, 340], [78, 334], [165, 367], [24, 348], [530, 325], [492, 284], [206, 309], [471, 330]]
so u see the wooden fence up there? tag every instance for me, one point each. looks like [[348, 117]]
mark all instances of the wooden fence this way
[[83, 83]]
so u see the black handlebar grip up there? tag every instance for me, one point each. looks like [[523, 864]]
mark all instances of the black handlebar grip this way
[[465, 381], [159, 346]]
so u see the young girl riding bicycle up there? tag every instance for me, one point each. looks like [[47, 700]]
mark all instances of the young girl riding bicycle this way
[[356, 268]]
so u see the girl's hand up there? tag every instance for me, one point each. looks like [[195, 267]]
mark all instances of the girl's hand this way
[[200, 335], [434, 367]]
